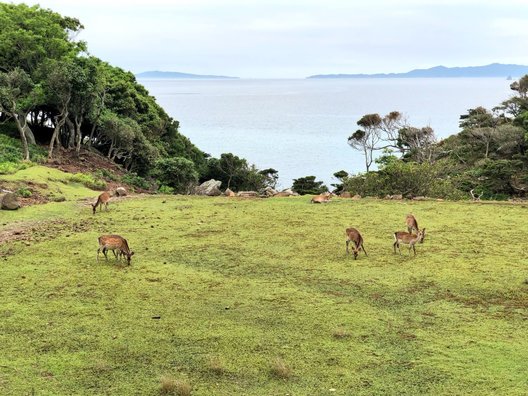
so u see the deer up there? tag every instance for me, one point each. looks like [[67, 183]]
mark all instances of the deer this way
[[322, 198], [408, 239], [353, 235], [412, 224], [113, 243], [102, 199]]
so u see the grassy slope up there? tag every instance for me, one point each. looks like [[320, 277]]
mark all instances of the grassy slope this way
[[238, 284]]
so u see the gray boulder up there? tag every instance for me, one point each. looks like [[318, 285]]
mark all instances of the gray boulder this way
[[121, 191], [10, 202], [268, 192], [210, 188]]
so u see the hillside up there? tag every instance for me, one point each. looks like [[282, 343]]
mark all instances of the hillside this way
[[492, 70], [232, 296]]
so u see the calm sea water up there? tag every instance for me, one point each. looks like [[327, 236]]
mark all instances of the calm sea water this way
[[300, 127]]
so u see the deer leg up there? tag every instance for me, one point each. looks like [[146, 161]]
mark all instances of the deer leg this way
[[104, 252], [414, 249], [98, 250], [364, 251], [106, 205], [347, 242]]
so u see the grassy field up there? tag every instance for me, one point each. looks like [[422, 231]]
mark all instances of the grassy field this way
[[257, 297]]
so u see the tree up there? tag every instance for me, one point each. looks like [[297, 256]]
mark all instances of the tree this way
[[178, 173], [308, 185], [18, 95], [418, 143], [376, 134], [271, 176]]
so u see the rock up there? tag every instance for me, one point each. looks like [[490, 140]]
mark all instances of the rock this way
[[397, 197], [268, 192], [345, 194], [284, 193], [247, 194], [121, 192], [388, 196], [229, 193], [356, 197], [10, 202], [210, 188], [419, 198]]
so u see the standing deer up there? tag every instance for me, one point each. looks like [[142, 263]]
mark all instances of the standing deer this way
[[408, 239], [103, 198], [353, 235], [113, 243], [412, 224]]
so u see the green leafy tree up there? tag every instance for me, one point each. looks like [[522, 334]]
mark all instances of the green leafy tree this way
[[178, 173], [308, 185]]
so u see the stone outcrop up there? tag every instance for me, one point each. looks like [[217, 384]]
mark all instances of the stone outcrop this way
[[268, 192], [9, 202], [210, 188], [229, 193], [345, 194], [247, 194]]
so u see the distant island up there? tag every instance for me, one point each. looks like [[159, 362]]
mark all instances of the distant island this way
[[166, 74], [493, 70]]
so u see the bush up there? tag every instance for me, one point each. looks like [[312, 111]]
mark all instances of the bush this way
[[406, 178], [88, 181], [165, 190], [137, 181], [24, 192], [178, 173]]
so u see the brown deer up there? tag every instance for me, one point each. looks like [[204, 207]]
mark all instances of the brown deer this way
[[322, 198], [113, 243], [412, 224], [353, 235], [102, 199], [408, 239]]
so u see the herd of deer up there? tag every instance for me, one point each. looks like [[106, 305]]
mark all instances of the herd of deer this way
[[119, 245], [407, 238]]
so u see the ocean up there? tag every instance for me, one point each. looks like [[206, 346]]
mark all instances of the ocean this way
[[300, 127]]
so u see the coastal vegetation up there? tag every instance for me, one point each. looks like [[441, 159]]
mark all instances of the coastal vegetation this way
[[488, 156], [54, 93]]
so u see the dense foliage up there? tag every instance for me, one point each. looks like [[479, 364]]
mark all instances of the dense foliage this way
[[488, 156], [308, 185], [53, 92]]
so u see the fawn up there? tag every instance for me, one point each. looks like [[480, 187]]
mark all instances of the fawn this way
[[412, 224]]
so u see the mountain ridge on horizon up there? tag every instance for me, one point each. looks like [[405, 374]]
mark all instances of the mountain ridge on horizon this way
[[171, 74], [491, 70]]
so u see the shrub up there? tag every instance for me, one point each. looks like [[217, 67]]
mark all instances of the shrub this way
[[165, 190], [137, 181], [88, 181], [11, 150], [24, 192], [178, 173]]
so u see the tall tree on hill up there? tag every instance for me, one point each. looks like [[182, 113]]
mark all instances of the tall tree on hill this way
[[18, 95]]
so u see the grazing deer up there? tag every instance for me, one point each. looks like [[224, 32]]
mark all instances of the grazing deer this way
[[322, 198], [408, 239], [412, 224], [353, 235], [103, 198], [113, 243]]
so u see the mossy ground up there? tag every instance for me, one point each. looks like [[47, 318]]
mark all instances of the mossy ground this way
[[257, 297]]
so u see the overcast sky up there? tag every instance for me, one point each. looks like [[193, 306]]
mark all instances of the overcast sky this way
[[294, 39]]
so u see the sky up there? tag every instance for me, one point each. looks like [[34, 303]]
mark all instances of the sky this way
[[295, 39]]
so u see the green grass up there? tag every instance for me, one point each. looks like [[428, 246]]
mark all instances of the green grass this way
[[50, 182], [257, 297]]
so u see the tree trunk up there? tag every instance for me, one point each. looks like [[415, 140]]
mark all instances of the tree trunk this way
[[23, 138], [78, 122], [61, 120]]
